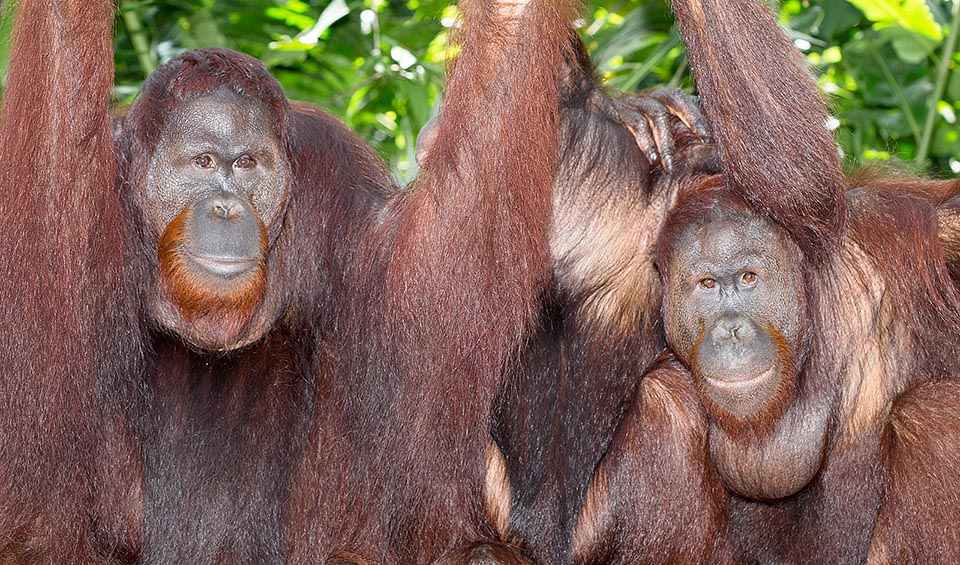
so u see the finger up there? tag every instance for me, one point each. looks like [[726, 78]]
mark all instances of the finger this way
[[638, 126], [654, 114], [684, 106]]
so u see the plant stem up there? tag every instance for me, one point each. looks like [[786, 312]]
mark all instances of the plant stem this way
[[904, 105], [943, 72], [651, 63], [138, 38], [678, 74]]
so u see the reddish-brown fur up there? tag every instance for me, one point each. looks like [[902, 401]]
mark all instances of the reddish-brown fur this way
[[600, 325], [878, 364], [443, 347], [357, 426], [50, 339], [917, 522], [655, 497]]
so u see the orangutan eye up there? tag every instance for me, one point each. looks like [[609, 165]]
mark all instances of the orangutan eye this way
[[707, 283], [245, 162], [749, 278], [203, 161]]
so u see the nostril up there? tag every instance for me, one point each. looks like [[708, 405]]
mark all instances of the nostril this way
[[722, 333], [731, 328], [221, 210], [226, 207]]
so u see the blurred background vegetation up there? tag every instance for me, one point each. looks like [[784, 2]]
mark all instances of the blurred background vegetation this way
[[889, 66]]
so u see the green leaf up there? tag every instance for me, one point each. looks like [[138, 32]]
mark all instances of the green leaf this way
[[838, 19], [911, 15], [908, 24], [911, 47], [335, 11], [204, 31]]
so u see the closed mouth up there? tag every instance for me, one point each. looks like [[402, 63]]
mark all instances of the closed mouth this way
[[223, 266], [738, 384]]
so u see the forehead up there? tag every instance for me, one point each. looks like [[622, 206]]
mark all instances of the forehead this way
[[221, 114], [729, 239]]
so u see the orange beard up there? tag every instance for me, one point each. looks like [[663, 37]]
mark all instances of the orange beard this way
[[218, 309], [765, 419]]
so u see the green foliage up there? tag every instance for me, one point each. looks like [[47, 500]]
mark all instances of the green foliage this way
[[889, 66], [376, 64], [909, 25]]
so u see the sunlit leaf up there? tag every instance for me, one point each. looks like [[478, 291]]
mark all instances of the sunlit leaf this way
[[335, 11], [908, 24], [290, 17], [379, 64], [910, 46]]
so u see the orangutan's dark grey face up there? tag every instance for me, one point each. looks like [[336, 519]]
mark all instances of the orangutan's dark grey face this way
[[733, 299], [216, 190]]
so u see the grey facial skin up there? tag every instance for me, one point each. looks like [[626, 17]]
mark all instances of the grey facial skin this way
[[223, 236], [217, 143], [734, 300], [216, 192], [733, 305]]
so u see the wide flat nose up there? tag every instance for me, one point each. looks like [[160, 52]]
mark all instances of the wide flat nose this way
[[226, 206], [734, 349], [732, 328]]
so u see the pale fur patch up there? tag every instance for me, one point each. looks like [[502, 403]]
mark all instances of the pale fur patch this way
[[878, 554], [512, 8], [593, 515], [497, 490], [608, 248], [872, 336], [874, 375]]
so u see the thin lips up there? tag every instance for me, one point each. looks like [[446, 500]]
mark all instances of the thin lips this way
[[736, 384], [224, 266]]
